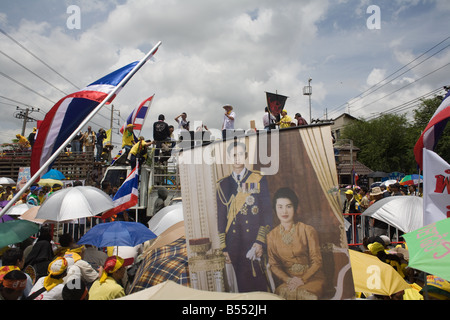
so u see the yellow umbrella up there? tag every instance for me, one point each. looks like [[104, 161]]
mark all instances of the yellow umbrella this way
[[371, 275], [49, 182]]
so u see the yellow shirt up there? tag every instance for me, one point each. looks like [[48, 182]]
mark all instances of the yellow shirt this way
[[138, 147], [127, 138], [107, 290], [23, 141], [285, 122], [413, 293]]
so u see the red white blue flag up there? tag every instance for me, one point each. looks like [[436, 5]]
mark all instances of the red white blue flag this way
[[433, 131], [137, 117], [127, 195], [69, 112]]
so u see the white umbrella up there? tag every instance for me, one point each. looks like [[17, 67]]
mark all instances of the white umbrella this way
[[74, 203], [19, 209], [30, 215], [169, 290], [5, 180], [165, 218], [388, 182], [402, 212]]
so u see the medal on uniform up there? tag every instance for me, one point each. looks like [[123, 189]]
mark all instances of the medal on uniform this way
[[250, 200]]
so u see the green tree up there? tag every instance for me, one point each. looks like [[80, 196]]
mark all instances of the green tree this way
[[386, 143]]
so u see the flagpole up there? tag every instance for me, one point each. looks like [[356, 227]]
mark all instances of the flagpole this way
[[80, 127]]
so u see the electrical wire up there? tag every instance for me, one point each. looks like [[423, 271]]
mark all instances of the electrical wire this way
[[37, 58], [376, 86], [32, 72]]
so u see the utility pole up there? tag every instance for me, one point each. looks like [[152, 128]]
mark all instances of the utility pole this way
[[24, 114], [111, 122], [307, 91]]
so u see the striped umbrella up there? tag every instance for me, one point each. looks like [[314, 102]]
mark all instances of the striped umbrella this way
[[411, 179]]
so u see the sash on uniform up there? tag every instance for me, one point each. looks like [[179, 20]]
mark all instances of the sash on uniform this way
[[251, 185]]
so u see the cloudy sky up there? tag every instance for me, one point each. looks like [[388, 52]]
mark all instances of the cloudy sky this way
[[224, 52]]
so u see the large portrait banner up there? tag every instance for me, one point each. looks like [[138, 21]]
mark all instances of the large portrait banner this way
[[262, 213]]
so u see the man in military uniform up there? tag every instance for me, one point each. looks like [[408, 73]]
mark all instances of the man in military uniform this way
[[244, 219]]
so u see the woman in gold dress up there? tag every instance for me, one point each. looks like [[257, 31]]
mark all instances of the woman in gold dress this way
[[294, 252]]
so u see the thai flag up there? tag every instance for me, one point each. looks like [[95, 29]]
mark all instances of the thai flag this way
[[433, 130], [68, 113], [127, 195], [121, 151], [137, 117]]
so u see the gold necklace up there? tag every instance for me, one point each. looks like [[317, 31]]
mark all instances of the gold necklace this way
[[287, 237]]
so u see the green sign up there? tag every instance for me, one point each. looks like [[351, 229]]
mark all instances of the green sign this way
[[429, 248]]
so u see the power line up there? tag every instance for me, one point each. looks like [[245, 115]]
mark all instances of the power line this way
[[428, 74], [360, 96], [407, 105], [26, 87], [36, 57], [12, 59], [401, 73], [27, 105]]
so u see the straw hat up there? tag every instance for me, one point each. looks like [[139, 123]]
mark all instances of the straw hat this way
[[376, 191], [228, 106]]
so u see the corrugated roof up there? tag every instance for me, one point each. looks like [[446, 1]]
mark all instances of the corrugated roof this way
[[345, 167]]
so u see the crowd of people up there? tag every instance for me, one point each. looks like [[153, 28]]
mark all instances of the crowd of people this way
[[358, 199], [54, 267], [63, 271], [98, 144], [376, 237], [43, 269]]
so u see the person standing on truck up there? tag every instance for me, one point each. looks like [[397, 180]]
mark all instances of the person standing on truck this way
[[183, 121], [138, 152], [89, 140], [161, 134], [128, 138], [101, 136]]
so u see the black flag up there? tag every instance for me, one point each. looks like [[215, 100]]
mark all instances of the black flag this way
[[275, 103]]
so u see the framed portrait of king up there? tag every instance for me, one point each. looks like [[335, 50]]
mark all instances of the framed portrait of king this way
[[262, 213]]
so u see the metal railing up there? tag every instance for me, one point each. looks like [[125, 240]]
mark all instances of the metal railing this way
[[360, 228]]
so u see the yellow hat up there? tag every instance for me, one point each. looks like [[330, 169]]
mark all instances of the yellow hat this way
[[112, 264], [56, 268], [375, 248]]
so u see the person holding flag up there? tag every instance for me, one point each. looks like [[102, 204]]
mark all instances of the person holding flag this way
[[285, 121], [128, 138], [138, 152]]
